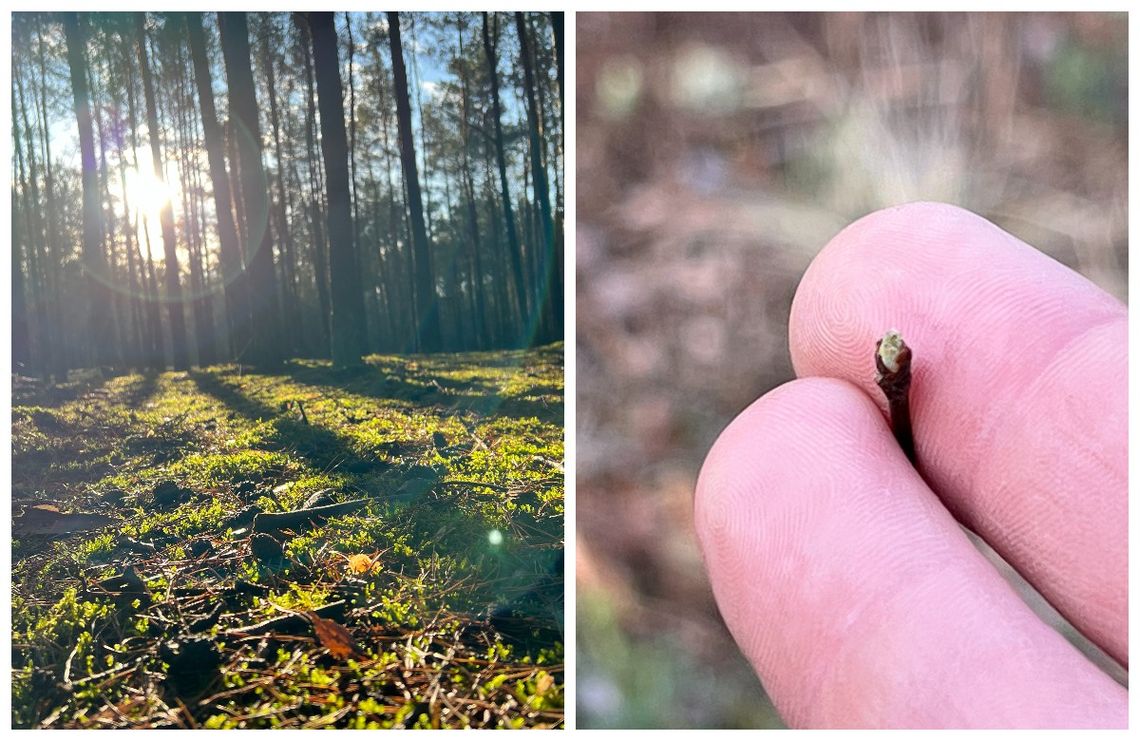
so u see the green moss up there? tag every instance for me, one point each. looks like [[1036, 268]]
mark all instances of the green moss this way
[[416, 435], [97, 547], [65, 621], [217, 469], [299, 598]]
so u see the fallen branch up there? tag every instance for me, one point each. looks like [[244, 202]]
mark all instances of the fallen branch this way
[[553, 464], [268, 522], [465, 482]]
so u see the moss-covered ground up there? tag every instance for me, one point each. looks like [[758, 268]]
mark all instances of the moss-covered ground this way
[[454, 597]]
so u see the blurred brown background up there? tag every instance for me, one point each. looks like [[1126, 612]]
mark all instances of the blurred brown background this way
[[717, 153]]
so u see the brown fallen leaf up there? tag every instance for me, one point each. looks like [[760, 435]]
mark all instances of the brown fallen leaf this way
[[335, 637], [46, 519], [362, 563]]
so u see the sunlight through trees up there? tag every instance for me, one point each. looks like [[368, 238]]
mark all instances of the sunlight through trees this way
[[190, 188]]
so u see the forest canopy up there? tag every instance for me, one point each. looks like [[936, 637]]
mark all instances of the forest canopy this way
[[196, 188]]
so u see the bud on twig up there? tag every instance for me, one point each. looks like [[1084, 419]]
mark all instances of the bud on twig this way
[[892, 359]]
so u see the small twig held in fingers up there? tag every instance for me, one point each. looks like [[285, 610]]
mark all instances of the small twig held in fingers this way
[[892, 359]]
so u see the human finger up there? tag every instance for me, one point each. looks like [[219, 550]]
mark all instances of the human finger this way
[[853, 592], [1018, 397]]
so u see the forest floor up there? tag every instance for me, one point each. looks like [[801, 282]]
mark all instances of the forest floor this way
[[151, 586]]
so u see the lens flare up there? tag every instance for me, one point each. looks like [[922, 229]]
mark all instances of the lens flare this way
[[148, 194]]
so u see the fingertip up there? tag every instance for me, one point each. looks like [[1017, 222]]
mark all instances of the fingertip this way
[[860, 283], [772, 483], [767, 441], [946, 278]]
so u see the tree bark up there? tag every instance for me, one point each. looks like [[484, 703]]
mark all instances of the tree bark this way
[[428, 336], [54, 357], [153, 344], [401, 310], [115, 355], [258, 252], [233, 274], [556, 22], [138, 339], [21, 339], [475, 279], [292, 306], [514, 250], [548, 290], [352, 138], [320, 256], [188, 165], [98, 298], [347, 301], [33, 233]]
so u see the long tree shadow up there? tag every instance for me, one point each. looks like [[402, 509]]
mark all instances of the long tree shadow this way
[[326, 451], [392, 382], [514, 573], [142, 390], [319, 447], [71, 446], [28, 391]]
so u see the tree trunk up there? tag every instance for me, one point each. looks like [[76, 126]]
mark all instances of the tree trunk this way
[[153, 339], [54, 357], [292, 306], [183, 113], [166, 215], [423, 171], [514, 250], [132, 338], [157, 344], [21, 347], [401, 311], [299, 209], [549, 292], [503, 300], [479, 318], [384, 332], [21, 342], [352, 139], [138, 339], [32, 236], [347, 302], [98, 298], [107, 219], [262, 286], [428, 339], [556, 21], [198, 204], [320, 256]]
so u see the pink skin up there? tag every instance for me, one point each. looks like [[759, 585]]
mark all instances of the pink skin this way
[[843, 575]]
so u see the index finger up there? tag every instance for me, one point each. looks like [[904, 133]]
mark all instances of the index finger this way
[[1018, 397]]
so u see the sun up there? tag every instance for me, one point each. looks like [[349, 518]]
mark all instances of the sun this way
[[148, 195]]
